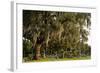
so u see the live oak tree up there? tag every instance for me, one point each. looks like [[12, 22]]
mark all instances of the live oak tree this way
[[63, 34]]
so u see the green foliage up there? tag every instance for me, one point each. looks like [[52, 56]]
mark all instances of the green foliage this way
[[27, 47], [62, 34]]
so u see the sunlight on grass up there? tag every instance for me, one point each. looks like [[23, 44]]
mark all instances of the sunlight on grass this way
[[63, 59]]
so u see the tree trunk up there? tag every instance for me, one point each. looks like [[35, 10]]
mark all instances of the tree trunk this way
[[37, 52], [63, 54], [44, 55]]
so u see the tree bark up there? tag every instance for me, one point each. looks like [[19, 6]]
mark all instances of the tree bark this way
[[44, 55], [63, 54], [37, 52]]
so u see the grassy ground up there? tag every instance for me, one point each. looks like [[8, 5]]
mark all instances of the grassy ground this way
[[63, 59]]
